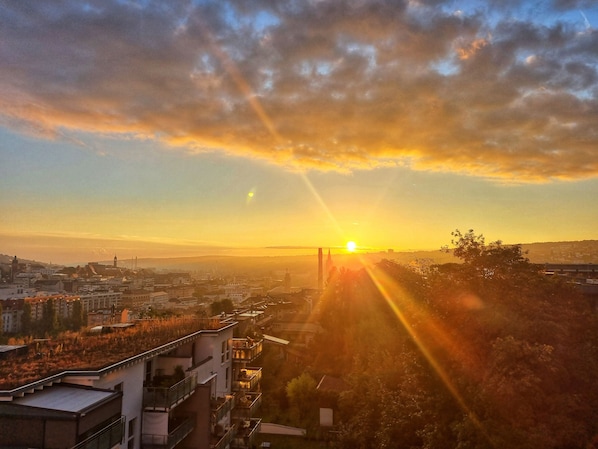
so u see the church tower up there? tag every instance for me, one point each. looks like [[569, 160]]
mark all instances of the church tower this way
[[115, 261], [14, 269]]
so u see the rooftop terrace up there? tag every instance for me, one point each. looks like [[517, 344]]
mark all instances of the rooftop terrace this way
[[86, 351]]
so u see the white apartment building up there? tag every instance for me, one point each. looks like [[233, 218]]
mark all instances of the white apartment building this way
[[178, 394], [15, 292]]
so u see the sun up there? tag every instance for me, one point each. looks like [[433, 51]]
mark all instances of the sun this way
[[351, 246]]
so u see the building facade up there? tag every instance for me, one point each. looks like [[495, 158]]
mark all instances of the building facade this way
[[179, 394]]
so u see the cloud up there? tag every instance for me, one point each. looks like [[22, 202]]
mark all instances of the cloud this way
[[327, 85]]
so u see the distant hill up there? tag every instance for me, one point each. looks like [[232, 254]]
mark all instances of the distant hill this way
[[583, 251], [305, 266]]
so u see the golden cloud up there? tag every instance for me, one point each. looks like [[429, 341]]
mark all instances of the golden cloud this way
[[329, 85]]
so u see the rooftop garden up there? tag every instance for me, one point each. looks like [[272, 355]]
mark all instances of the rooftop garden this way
[[92, 351]]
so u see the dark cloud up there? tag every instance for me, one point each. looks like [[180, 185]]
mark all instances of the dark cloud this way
[[317, 84]]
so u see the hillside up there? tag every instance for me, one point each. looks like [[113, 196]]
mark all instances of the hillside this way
[[305, 266]]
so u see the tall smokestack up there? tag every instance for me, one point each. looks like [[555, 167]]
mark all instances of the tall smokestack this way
[[320, 270]]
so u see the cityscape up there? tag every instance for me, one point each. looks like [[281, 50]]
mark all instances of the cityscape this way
[[190, 351], [352, 224]]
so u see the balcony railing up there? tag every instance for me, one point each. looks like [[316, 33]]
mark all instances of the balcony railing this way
[[245, 350], [108, 437], [248, 379], [247, 404], [247, 431], [221, 406], [168, 397], [169, 441], [220, 442]]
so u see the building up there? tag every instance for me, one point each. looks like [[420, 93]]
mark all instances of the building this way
[[135, 299], [159, 300], [12, 310], [179, 389], [98, 300], [62, 304], [15, 292]]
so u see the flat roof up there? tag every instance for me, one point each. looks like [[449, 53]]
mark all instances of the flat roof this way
[[277, 340], [8, 348], [65, 398]]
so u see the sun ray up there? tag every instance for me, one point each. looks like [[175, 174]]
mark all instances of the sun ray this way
[[401, 304]]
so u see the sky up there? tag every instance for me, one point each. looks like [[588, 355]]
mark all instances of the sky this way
[[180, 128]]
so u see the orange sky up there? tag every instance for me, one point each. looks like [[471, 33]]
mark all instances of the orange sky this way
[[191, 127]]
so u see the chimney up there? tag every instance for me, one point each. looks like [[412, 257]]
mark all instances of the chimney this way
[[320, 271]]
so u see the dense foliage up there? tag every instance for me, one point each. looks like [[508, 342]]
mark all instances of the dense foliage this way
[[489, 353]]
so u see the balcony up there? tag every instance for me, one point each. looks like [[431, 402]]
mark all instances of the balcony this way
[[107, 438], [248, 379], [221, 406], [247, 431], [181, 428], [165, 398], [223, 439], [246, 350], [247, 404]]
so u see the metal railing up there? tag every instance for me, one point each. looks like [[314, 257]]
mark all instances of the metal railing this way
[[171, 440], [247, 404], [221, 406], [225, 439], [108, 437], [246, 351], [249, 379], [168, 397], [247, 433]]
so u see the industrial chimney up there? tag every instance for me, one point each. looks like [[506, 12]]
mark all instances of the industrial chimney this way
[[320, 271]]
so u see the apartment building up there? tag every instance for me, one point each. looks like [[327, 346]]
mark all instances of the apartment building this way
[[12, 310], [178, 394], [63, 305], [98, 300]]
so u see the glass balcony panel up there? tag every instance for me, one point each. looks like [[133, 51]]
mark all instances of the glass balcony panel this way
[[247, 431], [168, 441], [248, 379], [245, 350], [168, 397], [224, 440], [247, 404], [221, 406], [108, 437]]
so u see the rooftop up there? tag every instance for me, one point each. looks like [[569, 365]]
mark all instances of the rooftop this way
[[92, 352], [66, 398]]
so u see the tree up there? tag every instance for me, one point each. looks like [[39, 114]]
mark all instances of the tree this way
[[26, 328], [50, 321], [225, 305], [78, 316], [494, 260], [489, 353], [468, 247], [302, 394]]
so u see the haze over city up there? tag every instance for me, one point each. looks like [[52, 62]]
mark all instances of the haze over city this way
[[182, 128]]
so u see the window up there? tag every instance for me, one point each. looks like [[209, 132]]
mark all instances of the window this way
[[118, 387], [226, 379], [227, 349], [131, 431], [148, 372], [223, 352]]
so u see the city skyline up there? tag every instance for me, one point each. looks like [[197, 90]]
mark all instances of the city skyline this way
[[145, 129]]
